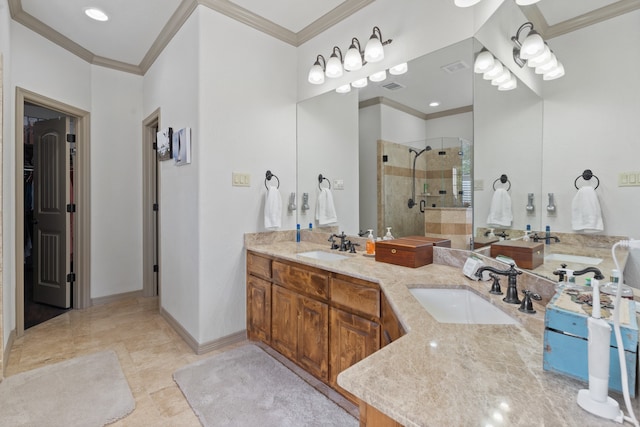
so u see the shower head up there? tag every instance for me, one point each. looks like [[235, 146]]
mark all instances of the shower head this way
[[417, 153], [428, 148]]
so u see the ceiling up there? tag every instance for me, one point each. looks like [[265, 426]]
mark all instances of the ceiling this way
[[136, 34]]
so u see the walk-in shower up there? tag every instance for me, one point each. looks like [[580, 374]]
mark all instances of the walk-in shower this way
[[412, 200]]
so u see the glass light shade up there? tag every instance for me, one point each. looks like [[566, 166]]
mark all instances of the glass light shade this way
[[316, 74], [360, 82], [532, 46], [343, 89], [510, 84], [379, 76], [540, 59], [465, 3], [334, 67], [548, 66], [494, 72], [484, 62], [526, 2], [399, 69], [556, 73], [373, 52], [502, 77], [352, 60], [96, 14]]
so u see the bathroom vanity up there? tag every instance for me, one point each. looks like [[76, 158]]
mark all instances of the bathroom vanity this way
[[332, 317]]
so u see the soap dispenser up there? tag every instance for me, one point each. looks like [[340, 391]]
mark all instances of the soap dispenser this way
[[388, 236], [371, 243]]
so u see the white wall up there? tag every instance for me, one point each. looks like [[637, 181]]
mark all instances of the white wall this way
[[458, 125], [116, 182], [247, 124], [591, 121], [369, 133], [5, 251]]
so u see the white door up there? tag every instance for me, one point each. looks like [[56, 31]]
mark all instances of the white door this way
[[51, 245]]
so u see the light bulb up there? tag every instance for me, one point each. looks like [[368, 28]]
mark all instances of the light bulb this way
[[353, 59], [555, 73], [548, 66], [494, 72], [334, 67], [510, 84], [360, 82], [344, 89], [484, 62], [399, 69], [526, 2], [316, 74], [373, 52], [540, 59], [465, 3], [502, 77], [532, 46], [379, 76]]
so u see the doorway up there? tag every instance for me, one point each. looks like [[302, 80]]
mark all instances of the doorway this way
[[151, 207], [76, 289]]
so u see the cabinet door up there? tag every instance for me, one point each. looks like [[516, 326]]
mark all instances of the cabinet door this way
[[258, 309], [313, 337], [352, 338], [284, 321], [391, 327]]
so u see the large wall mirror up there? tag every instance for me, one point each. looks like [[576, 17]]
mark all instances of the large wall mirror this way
[[541, 135]]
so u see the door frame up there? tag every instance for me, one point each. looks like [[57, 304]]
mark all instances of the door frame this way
[[81, 189], [150, 195]]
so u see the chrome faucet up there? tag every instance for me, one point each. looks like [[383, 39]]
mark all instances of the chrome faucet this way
[[512, 273]]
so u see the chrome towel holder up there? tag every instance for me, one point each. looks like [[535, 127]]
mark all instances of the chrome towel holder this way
[[503, 179], [586, 175], [323, 178], [268, 177]]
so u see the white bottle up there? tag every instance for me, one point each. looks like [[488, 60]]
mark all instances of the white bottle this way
[[388, 236]]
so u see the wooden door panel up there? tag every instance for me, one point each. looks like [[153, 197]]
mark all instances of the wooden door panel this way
[[258, 309], [313, 337], [284, 321]]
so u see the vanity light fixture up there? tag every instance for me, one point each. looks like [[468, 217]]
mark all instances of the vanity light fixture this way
[[535, 52], [492, 69], [96, 14], [316, 73], [399, 69], [353, 60], [526, 2], [344, 88], [378, 76], [465, 3], [360, 83]]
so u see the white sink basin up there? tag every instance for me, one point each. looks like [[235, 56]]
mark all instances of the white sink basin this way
[[460, 306], [323, 256], [573, 258]]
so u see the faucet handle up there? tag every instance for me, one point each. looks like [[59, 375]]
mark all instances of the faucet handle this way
[[495, 286], [527, 304]]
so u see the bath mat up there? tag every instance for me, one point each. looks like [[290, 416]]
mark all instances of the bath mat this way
[[247, 387], [85, 391]]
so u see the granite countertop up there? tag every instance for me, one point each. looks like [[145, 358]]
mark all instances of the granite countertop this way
[[452, 374]]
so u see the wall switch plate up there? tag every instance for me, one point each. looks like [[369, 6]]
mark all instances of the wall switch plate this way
[[240, 179], [629, 179], [338, 184], [478, 184]]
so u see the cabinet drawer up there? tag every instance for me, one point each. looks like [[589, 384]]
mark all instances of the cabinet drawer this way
[[356, 296], [258, 265], [307, 281]]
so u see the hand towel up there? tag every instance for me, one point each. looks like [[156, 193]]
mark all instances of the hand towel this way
[[325, 209], [586, 215], [500, 211], [272, 208]]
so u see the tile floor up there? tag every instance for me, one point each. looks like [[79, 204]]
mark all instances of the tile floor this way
[[148, 348]]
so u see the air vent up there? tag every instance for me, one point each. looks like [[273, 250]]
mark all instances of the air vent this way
[[393, 86], [454, 67]]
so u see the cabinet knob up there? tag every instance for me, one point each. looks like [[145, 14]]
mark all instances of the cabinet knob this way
[[393, 251]]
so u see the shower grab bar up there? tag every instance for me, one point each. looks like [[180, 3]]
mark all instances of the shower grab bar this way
[[268, 177], [323, 178], [503, 179], [586, 175]]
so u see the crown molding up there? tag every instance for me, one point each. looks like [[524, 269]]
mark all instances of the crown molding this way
[[595, 16], [381, 100], [331, 18]]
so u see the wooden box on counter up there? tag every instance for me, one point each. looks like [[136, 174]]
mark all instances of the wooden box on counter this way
[[527, 255], [412, 251]]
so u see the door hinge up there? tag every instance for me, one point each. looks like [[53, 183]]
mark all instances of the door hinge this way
[[71, 137], [156, 207], [71, 207], [71, 277], [155, 268], [154, 146]]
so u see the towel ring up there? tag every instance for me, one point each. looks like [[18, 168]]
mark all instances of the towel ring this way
[[322, 178], [268, 177], [503, 179], [586, 175]]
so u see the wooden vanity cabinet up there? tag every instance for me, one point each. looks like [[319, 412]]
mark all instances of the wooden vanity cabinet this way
[[258, 297]]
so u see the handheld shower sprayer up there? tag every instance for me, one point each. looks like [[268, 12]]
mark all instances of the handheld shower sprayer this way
[[412, 200]]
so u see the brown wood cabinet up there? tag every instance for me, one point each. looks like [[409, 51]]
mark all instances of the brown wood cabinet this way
[[325, 322]]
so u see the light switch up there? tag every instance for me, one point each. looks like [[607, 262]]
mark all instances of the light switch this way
[[240, 179], [478, 184], [629, 179], [338, 184]]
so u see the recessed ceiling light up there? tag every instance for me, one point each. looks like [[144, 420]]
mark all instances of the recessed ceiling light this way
[[434, 104], [96, 14]]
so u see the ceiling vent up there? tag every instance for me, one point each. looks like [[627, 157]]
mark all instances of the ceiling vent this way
[[454, 67], [393, 86]]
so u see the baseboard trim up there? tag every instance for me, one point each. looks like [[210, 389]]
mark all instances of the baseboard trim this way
[[193, 343], [115, 298], [7, 351]]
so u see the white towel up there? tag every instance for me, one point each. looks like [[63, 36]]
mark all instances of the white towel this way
[[325, 209], [586, 215], [500, 212], [272, 208]]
